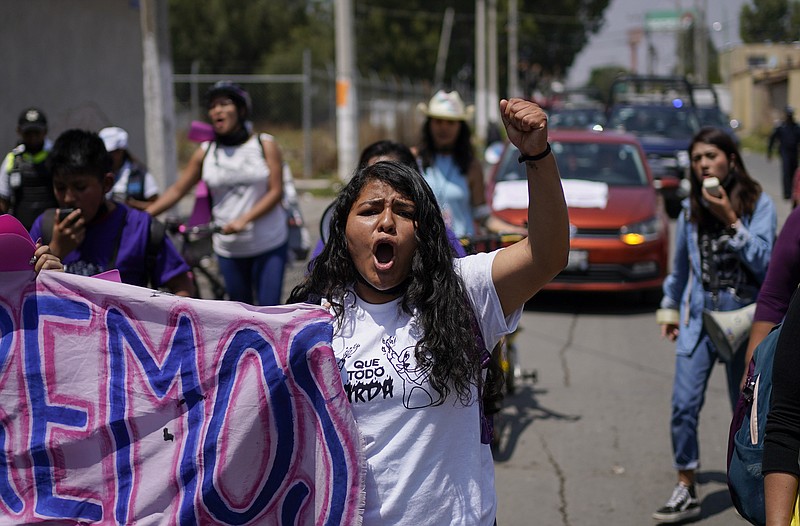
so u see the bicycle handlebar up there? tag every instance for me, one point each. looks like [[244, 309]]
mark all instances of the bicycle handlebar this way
[[490, 241], [208, 228], [178, 227]]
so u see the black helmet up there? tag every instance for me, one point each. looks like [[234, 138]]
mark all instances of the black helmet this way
[[237, 94], [32, 119]]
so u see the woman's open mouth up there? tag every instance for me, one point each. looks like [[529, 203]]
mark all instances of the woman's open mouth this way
[[384, 256]]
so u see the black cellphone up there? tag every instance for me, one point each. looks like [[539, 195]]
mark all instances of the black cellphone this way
[[63, 213]]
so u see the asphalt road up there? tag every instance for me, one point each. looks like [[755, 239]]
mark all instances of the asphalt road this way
[[588, 443]]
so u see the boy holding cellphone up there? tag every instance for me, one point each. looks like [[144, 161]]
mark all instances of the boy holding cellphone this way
[[92, 234]]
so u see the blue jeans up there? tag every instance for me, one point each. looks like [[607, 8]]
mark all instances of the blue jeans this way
[[688, 395], [263, 272]]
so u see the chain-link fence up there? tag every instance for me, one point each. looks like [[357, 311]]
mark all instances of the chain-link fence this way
[[300, 110]]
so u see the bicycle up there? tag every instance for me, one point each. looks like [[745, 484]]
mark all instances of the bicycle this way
[[511, 365], [489, 242], [506, 349], [194, 245]]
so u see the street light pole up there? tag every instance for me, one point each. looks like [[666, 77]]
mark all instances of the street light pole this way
[[480, 70], [159, 109], [444, 47], [346, 94], [700, 43], [494, 90], [513, 56]]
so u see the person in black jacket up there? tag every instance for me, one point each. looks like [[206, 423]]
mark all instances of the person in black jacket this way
[[787, 135]]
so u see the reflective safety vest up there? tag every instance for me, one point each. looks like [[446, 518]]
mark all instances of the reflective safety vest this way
[[31, 185]]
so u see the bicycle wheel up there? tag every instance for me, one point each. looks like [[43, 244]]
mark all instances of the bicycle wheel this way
[[212, 282], [514, 374], [508, 373]]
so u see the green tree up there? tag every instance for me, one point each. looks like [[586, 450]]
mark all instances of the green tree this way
[[553, 33], [401, 37], [393, 37], [687, 38], [601, 79], [230, 36], [251, 37], [770, 20]]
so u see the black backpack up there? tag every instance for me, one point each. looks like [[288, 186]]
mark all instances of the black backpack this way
[[135, 186]]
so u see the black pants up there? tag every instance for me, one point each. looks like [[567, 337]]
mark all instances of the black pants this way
[[789, 166]]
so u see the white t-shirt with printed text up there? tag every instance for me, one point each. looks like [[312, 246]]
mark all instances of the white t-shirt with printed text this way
[[425, 462]]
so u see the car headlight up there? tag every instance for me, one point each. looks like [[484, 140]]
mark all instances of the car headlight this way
[[683, 158], [639, 233]]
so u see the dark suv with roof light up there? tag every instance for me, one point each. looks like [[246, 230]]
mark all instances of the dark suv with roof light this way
[[660, 112]]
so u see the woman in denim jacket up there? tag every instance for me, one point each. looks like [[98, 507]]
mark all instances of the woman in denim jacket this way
[[723, 243]]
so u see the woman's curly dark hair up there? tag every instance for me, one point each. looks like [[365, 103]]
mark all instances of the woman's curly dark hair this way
[[462, 150], [448, 345], [743, 191]]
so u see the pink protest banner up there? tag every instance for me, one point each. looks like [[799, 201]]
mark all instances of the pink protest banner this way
[[121, 405]]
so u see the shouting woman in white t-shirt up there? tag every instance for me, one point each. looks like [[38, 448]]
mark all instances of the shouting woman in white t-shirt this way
[[406, 320]]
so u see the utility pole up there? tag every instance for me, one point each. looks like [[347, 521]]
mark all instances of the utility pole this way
[[513, 47], [651, 52], [493, 94], [634, 39], [480, 71], [444, 47], [346, 96], [307, 87], [680, 35], [159, 109], [700, 43]]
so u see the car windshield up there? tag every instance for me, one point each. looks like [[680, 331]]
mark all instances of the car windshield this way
[[610, 163], [666, 121], [575, 118], [712, 117]]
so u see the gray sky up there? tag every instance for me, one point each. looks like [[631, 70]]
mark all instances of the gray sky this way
[[610, 45]]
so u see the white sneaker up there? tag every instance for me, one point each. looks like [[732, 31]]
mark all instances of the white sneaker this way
[[682, 505]]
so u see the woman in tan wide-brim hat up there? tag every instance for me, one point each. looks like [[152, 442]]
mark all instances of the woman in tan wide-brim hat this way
[[451, 168]]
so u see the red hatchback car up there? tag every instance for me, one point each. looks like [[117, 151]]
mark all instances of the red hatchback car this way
[[619, 231]]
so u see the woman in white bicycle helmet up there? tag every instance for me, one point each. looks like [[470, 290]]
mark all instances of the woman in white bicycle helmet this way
[[243, 171]]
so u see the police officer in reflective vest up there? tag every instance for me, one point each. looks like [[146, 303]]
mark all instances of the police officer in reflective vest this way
[[26, 186]]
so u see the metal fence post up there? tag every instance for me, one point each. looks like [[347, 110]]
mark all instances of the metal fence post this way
[[194, 90], [307, 114]]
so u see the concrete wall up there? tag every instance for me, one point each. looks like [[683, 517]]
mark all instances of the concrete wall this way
[[763, 78], [80, 61]]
